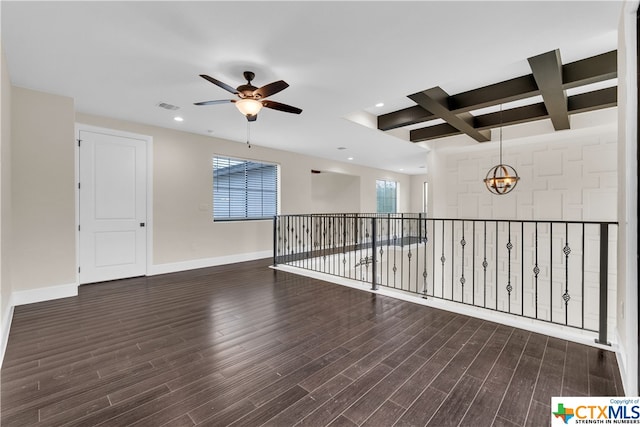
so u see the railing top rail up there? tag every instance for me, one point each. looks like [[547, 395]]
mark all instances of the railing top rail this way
[[418, 215]]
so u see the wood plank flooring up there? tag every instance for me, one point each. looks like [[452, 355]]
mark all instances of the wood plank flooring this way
[[244, 345]]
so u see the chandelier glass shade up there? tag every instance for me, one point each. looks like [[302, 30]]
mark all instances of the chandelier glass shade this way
[[248, 107], [502, 178]]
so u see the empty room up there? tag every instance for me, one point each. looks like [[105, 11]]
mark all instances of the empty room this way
[[319, 213]]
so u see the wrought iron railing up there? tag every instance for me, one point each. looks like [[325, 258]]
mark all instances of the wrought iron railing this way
[[550, 271]]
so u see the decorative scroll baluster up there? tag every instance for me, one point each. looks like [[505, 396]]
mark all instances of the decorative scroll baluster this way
[[424, 272], [462, 279], [453, 259], [509, 287], [409, 254], [566, 297], [442, 260], [485, 264], [473, 263], [536, 272], [395, 250]]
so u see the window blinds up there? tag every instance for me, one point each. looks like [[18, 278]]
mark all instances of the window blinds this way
[[244, 189]]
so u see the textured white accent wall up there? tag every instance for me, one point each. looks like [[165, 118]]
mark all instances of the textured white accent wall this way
[[570, 179]]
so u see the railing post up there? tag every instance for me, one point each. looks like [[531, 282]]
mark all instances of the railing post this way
[[604, 273], [275, 240], [374, 279]]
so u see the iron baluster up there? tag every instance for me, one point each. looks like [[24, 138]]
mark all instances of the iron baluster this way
[[462, 243], [509, 287], [473, 264], [604, 267], [485, 264], [453, 260], [442, 260], [566, 297], [497, 278], [522, 268], [536, 272], [583, 230], [424, 273]]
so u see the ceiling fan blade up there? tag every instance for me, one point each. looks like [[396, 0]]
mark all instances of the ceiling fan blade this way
[[218, 101], [220, 84], [270, 89], [252, 118], [281, 107]]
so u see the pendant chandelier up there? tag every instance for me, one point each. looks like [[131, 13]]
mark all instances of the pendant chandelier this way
[[502, 178]]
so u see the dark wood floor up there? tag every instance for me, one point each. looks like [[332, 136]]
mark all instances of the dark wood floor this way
[[245, 345]]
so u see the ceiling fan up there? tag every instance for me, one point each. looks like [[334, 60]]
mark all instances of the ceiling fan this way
[[252, 99]]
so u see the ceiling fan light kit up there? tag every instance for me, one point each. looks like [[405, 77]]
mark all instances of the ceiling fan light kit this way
[[249, 107]]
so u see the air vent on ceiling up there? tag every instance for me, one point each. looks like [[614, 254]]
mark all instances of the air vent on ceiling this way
[[168, 106]]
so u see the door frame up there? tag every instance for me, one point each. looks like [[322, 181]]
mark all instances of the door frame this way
[[149, 190]]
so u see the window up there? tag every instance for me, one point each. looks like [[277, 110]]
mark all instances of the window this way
[[425, 196], [386, 196], [243, 189]]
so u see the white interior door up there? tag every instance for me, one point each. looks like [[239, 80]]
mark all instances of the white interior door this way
[[112, 193]]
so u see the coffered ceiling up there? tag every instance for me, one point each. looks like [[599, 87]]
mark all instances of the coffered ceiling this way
[[550, 79], [341, 59]]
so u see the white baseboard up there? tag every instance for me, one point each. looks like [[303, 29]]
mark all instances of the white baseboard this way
[[44, 294], [29, 297], [174, 267], [621, 357], [6, 327], [71, 290]]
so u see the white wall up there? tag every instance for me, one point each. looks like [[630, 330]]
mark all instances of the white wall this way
[[183, 229], [417, 184], [627, 318], [5, 205], [43, 190], [335, 193]]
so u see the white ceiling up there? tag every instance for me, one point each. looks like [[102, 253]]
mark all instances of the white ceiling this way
[[120, 59]]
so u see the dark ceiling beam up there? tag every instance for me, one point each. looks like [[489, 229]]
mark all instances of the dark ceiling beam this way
[[404, 117], [590, 70], [435, 100], [590, 101], [547, 70], [433, 132], [498, 93], [579, 73]]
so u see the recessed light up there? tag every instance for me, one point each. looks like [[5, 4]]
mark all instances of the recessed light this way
[[401, 169], [349, 158], [342, 148], [380, 104], [178, 119]]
